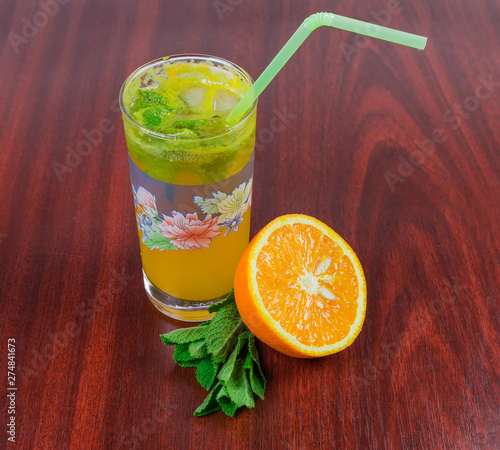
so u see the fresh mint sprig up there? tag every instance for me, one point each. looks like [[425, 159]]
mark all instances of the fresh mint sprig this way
[[224, 353]]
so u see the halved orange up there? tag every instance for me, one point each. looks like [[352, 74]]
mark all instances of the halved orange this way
[[300, 288]]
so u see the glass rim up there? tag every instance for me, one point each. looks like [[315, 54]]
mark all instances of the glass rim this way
[[182, 56]]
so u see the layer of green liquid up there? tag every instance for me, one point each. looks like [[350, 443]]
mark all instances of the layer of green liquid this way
[[188, 102]]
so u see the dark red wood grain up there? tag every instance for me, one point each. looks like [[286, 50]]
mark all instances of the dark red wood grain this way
[[91, 370]]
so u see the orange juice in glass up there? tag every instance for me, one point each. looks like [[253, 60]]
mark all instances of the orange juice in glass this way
[[191, 178]]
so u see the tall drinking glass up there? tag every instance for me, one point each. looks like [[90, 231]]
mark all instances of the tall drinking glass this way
[[191, 178]]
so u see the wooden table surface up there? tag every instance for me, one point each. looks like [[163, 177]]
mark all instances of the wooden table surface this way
[[395, 149]]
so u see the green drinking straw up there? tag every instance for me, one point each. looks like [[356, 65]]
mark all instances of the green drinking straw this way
[[307, 27]]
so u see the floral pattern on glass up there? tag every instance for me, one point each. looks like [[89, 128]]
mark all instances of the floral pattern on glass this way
[[190, 230]]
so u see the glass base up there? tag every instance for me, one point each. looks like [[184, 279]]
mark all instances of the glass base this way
[[187, 311]]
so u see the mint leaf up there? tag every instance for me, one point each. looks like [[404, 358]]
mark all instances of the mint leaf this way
[[243, 338], [227, 406], [184, 335], [207, 369], [219, 305], [223, 352], [152, 97], [227, 368], [248, 362], [192, 363], [191, 124], [198, 349], [210, 404], [181, 353], [222, 333], [238, 386], [152, 117], [253, 349], [257, 380]]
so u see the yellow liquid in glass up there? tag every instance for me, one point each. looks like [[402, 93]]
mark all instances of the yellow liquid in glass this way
[[198, 275]]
